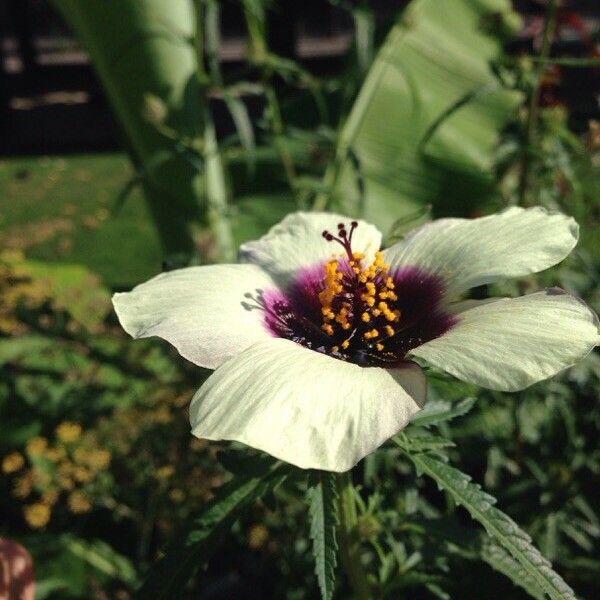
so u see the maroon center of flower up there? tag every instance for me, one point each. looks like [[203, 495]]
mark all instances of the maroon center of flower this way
[[370, 315]]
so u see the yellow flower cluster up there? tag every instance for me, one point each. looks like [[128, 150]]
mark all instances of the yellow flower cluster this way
[[69, 465], [17, 286]]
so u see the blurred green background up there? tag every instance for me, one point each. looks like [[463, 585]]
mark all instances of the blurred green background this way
[[225, 117]]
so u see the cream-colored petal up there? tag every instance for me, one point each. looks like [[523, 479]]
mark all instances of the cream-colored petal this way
[[297, 242], [203, 311], [470, 252], [303, 407], [510, 343]]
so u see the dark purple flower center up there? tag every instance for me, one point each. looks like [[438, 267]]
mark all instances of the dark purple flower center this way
[[365, 314]]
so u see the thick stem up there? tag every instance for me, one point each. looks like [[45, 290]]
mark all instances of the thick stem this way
[[534, 99], [347, 535]]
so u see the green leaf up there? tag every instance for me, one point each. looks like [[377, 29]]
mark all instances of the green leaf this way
[[103, 558], [499, 526], [407, 222], [141, 48], [418, 440], [202, 533], [500, 560], [323, 522], [437, 411], [426, 121], [243, 126]]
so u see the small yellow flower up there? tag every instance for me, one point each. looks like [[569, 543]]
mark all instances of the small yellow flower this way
[[12, 462], [23, 486], [99, 459], [177, 495], [36, 446], [162, 415], [37, 515], [257, 536], [68, 432], [165, 472], [82, 474], [50, 497], [55, 454], [79, 503]]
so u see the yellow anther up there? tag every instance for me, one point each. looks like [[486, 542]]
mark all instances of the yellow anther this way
[[368, 299], [327, 328], [335, 349], [363, 278], [383, 306], [389, 283], [345, 344], [366, 317], [384, 295], [346, 326], [370, 287], [390, 316], [379, 346], [356, 270], [376, 312], [392, 296], [390, 330]]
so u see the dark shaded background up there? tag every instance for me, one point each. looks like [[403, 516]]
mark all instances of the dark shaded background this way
[[51, 101]]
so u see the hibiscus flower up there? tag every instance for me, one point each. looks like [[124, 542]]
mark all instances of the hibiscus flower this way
[[312, 334]]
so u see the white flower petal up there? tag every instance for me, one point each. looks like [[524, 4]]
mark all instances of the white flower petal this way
[[202, 311], [470, 252], [297, 241], [510, 343], [304, 407]]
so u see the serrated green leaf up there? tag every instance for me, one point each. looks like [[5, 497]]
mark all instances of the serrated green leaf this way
[[323, 522], [499, 526], [500, 560], [437, 411], [200, 535], [415, 440]]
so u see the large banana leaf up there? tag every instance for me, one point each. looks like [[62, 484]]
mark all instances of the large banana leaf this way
[[142, 47], [426, 121]]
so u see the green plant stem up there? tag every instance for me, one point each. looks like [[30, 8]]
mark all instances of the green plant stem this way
[[277, 127], [214, 173], [534, 100], [349, 547], [259, 56]]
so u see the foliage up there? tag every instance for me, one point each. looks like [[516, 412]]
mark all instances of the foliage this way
[[323, 523], [96, 437], [432, 95]]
